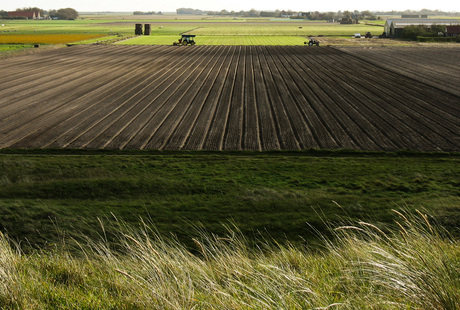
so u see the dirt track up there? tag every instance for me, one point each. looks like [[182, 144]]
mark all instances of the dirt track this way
[[230, 98]]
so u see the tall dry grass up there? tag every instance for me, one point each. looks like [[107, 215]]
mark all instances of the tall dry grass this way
[[9, 281], [415, 265]]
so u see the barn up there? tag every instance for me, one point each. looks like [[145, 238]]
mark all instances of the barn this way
[[453, 31], [393, 27], [25, 14]]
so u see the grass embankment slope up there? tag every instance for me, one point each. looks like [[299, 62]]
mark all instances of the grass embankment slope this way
[[276, 194], [415, 266], [391, 260]]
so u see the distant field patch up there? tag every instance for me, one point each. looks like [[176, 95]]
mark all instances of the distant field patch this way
[[219, 40], [45, 38], [285, 29], [13, 47], [150, 40]]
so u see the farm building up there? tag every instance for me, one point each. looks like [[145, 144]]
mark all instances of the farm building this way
[[414, 16], [25, 14], [453, 31], [393, 27], [285, 14]]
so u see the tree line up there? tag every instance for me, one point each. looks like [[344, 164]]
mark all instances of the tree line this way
[[366, 14], [417, 12], [147, 13], [413, 32], [284, 13]]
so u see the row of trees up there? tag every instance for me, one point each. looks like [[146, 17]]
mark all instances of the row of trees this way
[[147, 13], [287, 14], [191, 11], [67, 13], [418, 12]]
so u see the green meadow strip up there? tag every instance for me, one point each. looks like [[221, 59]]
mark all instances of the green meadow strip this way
[[280, 194], [219, 40]]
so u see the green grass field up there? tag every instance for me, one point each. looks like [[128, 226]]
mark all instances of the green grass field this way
[[278, 194], [62, 27], [13, 47], [283, 29], [219, 40], [210, 31]]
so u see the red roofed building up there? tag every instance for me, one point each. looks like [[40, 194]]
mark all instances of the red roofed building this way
[[27, 14]]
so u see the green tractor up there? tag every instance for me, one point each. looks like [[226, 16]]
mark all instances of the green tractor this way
[[186, 39]]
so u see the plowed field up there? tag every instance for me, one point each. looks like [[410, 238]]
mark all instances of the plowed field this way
[[436, 66], [226, 98]]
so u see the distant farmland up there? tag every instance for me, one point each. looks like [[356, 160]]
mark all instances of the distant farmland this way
[[230, 98], [45, 38]]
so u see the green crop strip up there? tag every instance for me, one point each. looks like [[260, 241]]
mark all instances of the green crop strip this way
[[219, 40]]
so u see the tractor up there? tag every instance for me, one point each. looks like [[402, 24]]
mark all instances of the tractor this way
[[186, 39], [312, 42]]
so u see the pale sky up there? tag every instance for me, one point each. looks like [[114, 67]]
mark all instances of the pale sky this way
[[235, 5]]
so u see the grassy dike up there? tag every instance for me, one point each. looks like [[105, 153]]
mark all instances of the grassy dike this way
[[356, 253], [46, 196], [413, 266]]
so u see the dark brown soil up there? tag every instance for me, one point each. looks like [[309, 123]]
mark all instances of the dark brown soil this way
[[232, 98]]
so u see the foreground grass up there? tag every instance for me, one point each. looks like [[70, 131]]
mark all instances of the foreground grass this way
[[276, 194], [416, 266]]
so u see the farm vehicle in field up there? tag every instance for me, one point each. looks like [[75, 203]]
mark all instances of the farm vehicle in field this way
[[312, 42], [186, 39]]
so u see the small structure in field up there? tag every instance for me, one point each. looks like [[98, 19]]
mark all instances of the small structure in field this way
[[147, 29], [138, 30]]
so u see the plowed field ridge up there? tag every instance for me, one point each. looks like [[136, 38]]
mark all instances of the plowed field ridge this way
[[232, 98]]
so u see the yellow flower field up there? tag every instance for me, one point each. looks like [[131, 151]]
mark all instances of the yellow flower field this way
[[45, 38]]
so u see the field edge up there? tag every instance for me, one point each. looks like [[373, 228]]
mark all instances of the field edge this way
[[308, 152]]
